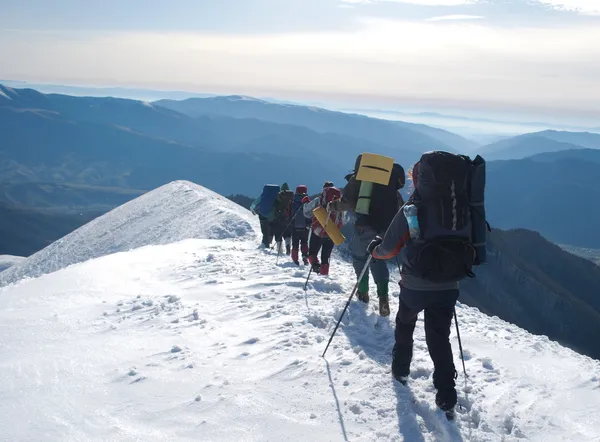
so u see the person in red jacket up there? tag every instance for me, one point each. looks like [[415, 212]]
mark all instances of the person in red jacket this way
[[319, 239]]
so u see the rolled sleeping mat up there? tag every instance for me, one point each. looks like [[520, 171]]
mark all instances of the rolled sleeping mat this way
[[333, 231], [375, 168], [479, 224], [363, 203]]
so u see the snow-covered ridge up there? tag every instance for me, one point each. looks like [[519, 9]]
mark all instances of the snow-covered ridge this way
[[173, 212], [212, 340], [7, 261]]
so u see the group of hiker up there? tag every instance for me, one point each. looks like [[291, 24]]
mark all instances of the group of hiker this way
[[441, 228]]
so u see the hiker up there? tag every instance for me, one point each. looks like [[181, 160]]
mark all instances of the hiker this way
[[282, 219], [263, 207], [384, 202], [319, 240], [300, 226], [440, 227]]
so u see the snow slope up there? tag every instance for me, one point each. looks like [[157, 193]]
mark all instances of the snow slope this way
[[211, 340], [7, 261], [173, 212]]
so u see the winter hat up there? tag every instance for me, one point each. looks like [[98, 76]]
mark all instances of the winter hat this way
[[301, 189], [327, 184], [285, 187]]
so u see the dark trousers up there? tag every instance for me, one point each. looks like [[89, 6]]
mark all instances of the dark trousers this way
[[438, 307], [300, 239], [325, 244], [281, 229], [266, 228]]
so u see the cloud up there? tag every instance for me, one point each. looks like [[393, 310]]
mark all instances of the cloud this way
[[416, 2], [591, 7], [447, 58], [456, 17]]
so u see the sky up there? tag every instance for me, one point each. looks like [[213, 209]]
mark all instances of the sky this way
[[539, 58]]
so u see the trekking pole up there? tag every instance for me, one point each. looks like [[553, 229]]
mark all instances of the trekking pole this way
[[307, 278], [362, 273], [462, 357]]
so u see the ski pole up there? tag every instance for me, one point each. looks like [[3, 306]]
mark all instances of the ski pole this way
[[307, 278], [462, 357], [362, 273]]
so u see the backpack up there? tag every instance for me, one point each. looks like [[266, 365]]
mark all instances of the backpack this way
[[282, 204], [329, 194], [448, 197], [267, 199], [383, 199], [300, 221]]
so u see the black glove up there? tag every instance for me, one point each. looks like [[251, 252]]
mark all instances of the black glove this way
[[376, 241]]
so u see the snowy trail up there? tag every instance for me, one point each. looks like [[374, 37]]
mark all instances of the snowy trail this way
[[211, 340]]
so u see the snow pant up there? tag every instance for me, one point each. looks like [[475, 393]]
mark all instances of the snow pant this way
[[300, 239], [266, 227], [361, 238], [325, 244], [439, 308], [282, 230]]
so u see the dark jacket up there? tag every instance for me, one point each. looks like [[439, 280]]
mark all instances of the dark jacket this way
[[396, 237]]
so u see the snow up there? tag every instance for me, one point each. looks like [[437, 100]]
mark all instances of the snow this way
[[173, 212], [209, 339], [7, 261]]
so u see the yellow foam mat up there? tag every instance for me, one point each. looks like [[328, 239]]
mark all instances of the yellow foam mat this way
[[330, 227], [375, 168]]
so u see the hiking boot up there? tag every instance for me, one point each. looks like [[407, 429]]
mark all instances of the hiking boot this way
[[384, 306], [305, 260], [402, 379], [314, 262], [446, 399], [324, 269], [295, 256], [288, 250], [364, 297], [382, 294]]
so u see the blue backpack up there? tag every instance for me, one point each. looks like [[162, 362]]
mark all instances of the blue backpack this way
[[267, 199]]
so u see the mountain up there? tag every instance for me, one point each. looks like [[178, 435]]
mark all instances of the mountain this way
[[539, 142], [554, 198], [7, 261], [523, 146], [127, 143], [533, 283], [398, 135], [50, 148], [64, 196], [25, 230], [592, 155], [209, 338], [588, 140], [173, 212]]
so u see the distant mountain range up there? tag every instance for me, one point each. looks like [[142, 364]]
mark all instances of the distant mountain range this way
[[526, 145], [557, 198], [86, 155], [535, 284], [393, 134]]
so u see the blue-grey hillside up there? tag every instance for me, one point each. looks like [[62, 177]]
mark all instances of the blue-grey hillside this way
[[535, 284], [557, 198], [529, 144], [392, 134]]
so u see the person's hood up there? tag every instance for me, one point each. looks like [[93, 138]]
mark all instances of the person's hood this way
[[285, 187], [301, 189]]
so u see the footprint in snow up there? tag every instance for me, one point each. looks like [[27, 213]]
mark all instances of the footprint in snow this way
[[250, 341], [487, 364]]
